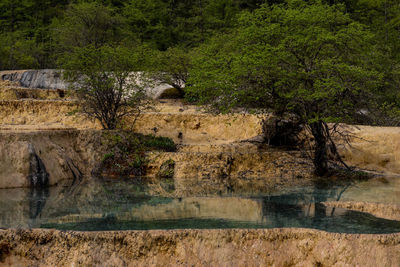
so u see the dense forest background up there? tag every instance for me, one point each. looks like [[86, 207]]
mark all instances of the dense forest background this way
[[37, 33]]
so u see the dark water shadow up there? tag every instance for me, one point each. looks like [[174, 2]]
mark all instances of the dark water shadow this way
[[37, 198]]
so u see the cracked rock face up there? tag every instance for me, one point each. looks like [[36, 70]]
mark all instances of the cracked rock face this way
[[38, 176], [46, 79], [41, 159]]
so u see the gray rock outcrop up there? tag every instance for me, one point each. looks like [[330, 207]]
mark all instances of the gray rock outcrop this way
[[52, 79], [44, 79]]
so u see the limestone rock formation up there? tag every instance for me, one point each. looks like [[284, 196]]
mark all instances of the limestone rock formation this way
[[235, 247], [52, 79], [41, 158], [45, 79]]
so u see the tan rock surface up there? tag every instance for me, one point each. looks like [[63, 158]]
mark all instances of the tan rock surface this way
[[214, 172], [204, 173], [211, 160], [12, 91], [209, 145], [60, 151], [195, 127], [236, 247], [43, 112], [375, 148]]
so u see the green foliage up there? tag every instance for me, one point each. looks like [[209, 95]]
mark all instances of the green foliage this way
[[165, 24], [307, 59], [167, 169], [108, 156], [107, 82], [320, 61], [166, 173], [159, 143], [301, 58], [148, 20], [126, 152], [72, 112], [87, 24], [52, 28], [35, 34], [171, 67], [17, 52], [24, 32]]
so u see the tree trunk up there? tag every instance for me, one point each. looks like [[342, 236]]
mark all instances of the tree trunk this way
[[318, 130]]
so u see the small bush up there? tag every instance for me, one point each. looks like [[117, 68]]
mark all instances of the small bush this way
[[108, 156], [167, 169], [126, 152], [160, 143], [72, 112]]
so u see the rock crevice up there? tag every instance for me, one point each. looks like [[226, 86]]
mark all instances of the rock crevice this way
[[38, 176]]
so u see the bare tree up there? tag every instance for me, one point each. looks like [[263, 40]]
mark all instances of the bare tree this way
[[107, 82]]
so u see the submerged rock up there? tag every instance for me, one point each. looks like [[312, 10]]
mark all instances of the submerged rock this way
[[382, 210]]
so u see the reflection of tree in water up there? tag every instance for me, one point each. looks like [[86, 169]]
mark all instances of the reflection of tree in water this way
[[37, 200], [331, 193], [301, 208]]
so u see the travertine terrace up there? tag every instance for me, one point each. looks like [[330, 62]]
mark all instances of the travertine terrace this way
[[215, 152]]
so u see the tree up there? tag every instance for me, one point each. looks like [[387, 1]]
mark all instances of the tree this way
[[17, 52], [87, 24], [171, 67], [149, 21], [107, 82], [305, 60], [24, 33]]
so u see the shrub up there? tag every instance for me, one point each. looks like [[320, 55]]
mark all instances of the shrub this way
[[126, 152]]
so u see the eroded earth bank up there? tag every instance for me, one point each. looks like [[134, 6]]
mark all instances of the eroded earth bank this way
[[222, 176]]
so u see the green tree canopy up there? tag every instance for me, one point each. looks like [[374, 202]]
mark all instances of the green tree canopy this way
[[171, 67], [307, 59], [87, 24]]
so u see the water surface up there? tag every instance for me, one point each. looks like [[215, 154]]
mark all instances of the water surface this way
[[102, 205]]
